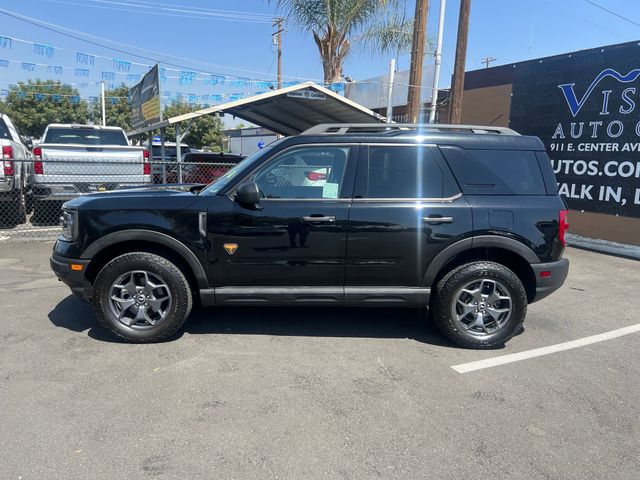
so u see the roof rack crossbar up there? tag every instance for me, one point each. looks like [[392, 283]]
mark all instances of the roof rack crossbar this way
[[342, 128]]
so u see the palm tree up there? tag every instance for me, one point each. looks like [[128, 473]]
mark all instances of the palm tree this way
[[336, 25]]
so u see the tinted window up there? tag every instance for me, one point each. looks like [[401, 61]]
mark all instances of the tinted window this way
[[85, 136], [4, 131], [403, 172], [496, 172], [169, 152], [306, 172]]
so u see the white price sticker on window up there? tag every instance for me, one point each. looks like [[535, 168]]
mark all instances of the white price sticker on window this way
[[330, 190]]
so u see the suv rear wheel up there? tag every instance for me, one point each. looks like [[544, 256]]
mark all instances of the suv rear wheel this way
[[480, 305], [142, 297]]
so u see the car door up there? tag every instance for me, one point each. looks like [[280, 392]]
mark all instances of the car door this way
[[406, 209], [292, 246]]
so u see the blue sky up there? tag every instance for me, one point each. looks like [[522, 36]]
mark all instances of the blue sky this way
[[510, 30]]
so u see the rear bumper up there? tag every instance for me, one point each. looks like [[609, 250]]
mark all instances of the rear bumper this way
[[64, 192], [547, 283], [75, 280]]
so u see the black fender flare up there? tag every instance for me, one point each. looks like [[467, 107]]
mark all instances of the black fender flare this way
[[461, 246], [155, 237]]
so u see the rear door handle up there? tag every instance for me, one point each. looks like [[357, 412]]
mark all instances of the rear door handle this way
[[319, 218], [435, 220]]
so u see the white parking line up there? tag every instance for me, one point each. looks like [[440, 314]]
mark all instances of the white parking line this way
[[538, 352]]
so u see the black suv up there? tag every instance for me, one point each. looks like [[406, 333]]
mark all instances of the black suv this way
[[466, 221]]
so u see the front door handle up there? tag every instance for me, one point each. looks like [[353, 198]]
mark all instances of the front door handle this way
[[319, 218], [437, 219]]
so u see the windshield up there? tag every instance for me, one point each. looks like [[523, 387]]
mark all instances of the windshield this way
[[86, 136], [246, 165]]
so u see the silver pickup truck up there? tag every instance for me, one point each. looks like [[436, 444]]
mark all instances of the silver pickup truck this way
[[14, 173], [73, 160]]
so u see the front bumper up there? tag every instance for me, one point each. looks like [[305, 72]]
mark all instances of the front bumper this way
[[549, 277], [74, 279]]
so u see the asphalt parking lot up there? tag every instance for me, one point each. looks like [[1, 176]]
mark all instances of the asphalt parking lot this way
[[321, 393]]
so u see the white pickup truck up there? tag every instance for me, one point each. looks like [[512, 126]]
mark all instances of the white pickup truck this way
[[73, 160], [14, 173]]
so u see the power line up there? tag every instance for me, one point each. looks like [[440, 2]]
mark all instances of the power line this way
[[168, 12], [75, 34], [212, 10], [613, 13], [570, 12]]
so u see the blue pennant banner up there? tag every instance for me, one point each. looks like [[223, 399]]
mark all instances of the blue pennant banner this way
[[30, 67], [108, 76], [4, 63], [56, 70], [121, 65], [5, 42], [133, 77], [85, 58], [81, 72], [214, 80], [43, 50], [186, 78]]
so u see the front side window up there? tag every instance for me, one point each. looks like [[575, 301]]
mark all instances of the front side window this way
[[305, 172], [403, 172]]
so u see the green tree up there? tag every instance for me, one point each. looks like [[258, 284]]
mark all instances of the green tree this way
[[117, 108], [206, 131], [336, 25], [35, 104]]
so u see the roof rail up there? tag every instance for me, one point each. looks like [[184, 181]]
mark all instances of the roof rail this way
[[342, 128]]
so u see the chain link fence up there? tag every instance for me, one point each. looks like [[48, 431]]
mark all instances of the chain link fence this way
[[32, 192]]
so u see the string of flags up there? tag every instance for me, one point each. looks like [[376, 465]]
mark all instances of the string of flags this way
[[167, 96]]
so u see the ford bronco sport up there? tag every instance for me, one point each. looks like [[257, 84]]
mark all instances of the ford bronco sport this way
[[466, 221]]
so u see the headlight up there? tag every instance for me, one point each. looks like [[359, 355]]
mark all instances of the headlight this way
[[69, 224]]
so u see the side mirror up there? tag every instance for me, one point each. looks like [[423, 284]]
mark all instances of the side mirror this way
[[248, 195]]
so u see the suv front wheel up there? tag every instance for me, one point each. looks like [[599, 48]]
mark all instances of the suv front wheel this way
[[141, 297], [480, 305]]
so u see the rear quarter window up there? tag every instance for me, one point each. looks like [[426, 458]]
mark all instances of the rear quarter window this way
[[4, 131], [496, 172]]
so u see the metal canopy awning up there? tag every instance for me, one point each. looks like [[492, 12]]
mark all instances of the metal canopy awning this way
[[288, 111]]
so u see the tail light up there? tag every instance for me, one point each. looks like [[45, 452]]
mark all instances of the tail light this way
[[315, 176], [8, 167], [38, 168], [563, 226], [7, 155], [147, 166]]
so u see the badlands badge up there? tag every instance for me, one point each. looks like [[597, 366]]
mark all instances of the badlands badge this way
[[230, 248]]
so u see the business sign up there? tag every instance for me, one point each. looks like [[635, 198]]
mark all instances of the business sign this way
[[585, 106], [145, 100], [307, 94]]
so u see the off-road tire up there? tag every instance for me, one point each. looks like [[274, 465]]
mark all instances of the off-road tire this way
[[446, 296], [182, 299]]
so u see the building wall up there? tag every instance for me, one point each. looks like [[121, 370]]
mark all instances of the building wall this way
[[487, 106], [488, 98]]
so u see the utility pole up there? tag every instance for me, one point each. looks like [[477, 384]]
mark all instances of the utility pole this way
[[277, 39], [392, 73], [438, 61], [457, 88], [104, 108], [417, 56], [487, 61]]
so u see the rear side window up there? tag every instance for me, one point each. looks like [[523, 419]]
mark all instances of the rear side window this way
[[403, 172], [4, 131], [85, 136], [496, 172]]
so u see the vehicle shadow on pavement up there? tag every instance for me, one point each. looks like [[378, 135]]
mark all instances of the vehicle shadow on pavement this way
[[411, 323]]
